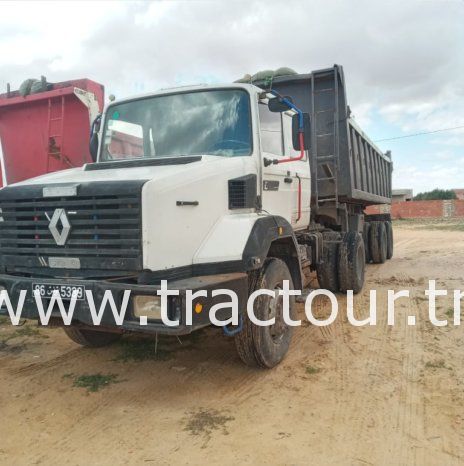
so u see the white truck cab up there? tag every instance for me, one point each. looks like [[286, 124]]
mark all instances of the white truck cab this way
[[213, 184]]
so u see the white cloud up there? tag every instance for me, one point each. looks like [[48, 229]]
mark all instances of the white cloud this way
[[50, 33], [420, 179], [402, 56], [403, 60], [454, 138]]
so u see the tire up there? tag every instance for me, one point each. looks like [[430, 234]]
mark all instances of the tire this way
[[367, 248], [389, 228], [351, 262], [327, 270], [378, 242], [266, 346], [91, 338]]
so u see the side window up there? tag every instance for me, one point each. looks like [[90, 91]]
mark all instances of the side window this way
[[271, 131]]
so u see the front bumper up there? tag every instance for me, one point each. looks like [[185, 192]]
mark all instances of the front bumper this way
[[237, 282]]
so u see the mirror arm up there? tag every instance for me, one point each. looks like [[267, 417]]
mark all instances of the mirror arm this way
[[96, 124]]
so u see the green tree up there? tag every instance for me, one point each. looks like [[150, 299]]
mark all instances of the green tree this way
[[436, 194]]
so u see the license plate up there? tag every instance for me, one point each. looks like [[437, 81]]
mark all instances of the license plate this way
[[65, 291]]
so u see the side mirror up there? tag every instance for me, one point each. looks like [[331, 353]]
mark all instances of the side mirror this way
[[306, 132], [93, 144], [276, 105]]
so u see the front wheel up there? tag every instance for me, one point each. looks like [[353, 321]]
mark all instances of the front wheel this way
[[266, 346], [91, 338]]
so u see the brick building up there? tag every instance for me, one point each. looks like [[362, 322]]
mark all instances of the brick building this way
[[401, 195], [459, 193]]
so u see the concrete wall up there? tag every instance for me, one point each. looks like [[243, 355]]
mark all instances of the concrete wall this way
[[421, 209]]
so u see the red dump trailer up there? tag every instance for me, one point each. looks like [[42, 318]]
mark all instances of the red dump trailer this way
[[48, 130]]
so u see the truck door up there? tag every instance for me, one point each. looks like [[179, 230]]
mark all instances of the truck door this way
[[281, 181]]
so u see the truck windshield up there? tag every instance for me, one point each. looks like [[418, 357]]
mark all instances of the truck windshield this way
[[215, 122]]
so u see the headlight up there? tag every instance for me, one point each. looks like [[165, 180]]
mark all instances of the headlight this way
[[149, 306]]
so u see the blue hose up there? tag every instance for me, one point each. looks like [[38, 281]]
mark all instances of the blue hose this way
[[231, 333], [291, 106]]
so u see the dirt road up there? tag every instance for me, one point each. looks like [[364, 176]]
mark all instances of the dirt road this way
[[344, 395]]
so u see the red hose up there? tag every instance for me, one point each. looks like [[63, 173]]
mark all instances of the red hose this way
[[299, 199], [302, 151]]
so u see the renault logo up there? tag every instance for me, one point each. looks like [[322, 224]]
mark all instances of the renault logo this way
[[60, 235]]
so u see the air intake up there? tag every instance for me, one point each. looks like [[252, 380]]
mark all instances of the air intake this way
[[242, 192]]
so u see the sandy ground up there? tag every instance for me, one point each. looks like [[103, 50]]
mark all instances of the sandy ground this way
[[343, 395]]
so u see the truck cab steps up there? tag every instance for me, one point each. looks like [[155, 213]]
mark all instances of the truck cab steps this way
[[324, 158]]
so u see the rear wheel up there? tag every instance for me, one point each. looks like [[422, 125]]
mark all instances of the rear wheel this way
[[389, 228], [327, 270], [367, 249], [266, 346], [91, 338], [378, 242], [352, 261]]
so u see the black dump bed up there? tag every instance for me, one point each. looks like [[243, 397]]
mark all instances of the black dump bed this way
[[345, 165]]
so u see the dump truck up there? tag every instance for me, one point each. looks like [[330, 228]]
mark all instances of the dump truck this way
[[240, 186], [45, 127]]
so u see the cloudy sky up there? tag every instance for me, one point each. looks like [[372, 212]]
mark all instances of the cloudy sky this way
[[403, 60]]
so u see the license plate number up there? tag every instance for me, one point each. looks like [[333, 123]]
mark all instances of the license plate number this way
[[65, 291]]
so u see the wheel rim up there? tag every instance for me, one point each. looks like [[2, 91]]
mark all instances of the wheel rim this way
[[278, 330]]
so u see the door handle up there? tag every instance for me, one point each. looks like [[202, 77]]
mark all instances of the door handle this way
[[287, 179], [182, 203]]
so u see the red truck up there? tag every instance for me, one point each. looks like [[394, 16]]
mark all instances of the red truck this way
[[47, 130]]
